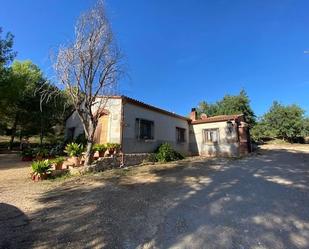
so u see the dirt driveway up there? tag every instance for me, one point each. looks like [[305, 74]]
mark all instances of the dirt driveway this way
[[261, 201]]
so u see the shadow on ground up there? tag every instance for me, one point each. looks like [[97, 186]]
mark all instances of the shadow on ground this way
[[258, 202], [15, 228], [11, 160]]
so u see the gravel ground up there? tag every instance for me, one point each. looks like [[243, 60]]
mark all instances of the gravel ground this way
[[260, 201]]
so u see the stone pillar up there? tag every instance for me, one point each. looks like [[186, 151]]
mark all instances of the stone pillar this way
[[244, 139]]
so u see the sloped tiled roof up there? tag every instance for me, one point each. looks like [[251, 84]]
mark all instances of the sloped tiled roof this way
[[153, 108], [219, 118]]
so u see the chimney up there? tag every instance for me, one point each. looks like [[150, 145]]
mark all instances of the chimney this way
[[193, 114]]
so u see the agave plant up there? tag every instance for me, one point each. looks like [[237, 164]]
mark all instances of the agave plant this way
[[74, 149], [41, 168], [112, 148], [99, 147], [59, 159]]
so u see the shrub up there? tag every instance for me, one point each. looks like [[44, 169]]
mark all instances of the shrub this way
[[165, 153], [74, 149], [28, 152], [81, 139], [41, 167], [57, 150], [99, 147], [113, 146], [57, 160], [152, 158], [41, 152]]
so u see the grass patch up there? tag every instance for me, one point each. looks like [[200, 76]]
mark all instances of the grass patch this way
[[62, 177]]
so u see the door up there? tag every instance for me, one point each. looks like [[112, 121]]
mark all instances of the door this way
[[100, 135], [104, 129]]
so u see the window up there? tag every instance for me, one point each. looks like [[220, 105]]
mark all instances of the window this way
[[180, 135], [211, 136], [144, 129]]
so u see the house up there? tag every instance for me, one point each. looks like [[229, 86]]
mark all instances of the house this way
[[141, 128]]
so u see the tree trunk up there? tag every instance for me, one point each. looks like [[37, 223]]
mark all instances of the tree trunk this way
[[20, 140], [41, 139], [89, 154], [41, 131], [13, 132]]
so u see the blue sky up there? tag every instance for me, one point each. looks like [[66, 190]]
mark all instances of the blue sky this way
[[180, 52]]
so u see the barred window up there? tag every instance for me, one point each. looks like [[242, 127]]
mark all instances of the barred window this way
[[144, 129], [211, 136], [180, 135]]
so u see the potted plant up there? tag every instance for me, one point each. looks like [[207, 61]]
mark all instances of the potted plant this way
[[74, 151], [40, 170], [57, 162], [27, 154], [41, 153], [100, 148], [112, 148]]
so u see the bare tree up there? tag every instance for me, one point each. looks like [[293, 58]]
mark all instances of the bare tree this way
[[89, 68]]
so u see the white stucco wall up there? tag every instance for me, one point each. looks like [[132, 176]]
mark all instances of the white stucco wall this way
[[114, 120], [164, 130], [74, 122], [227, 146]]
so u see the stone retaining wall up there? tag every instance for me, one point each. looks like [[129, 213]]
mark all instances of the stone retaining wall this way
[[115, 162]]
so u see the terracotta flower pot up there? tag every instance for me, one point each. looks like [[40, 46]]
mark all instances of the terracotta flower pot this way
[[32, 176], [38, 177], [111, 151], [58, 166], [75, 160], [101, 153], [96, 155], [26, 158]]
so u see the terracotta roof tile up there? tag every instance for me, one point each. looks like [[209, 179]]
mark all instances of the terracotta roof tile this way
[[153, 108], [219, 118]]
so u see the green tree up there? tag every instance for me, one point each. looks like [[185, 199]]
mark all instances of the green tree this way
[[207, 108], [286, 122], [6, 56], [260, 131], [6, 48], [230, 104], [30, 105], [306, 127], [17, 94], [54, 107]]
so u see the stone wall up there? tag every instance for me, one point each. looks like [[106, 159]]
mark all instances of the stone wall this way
[[105, 163]]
